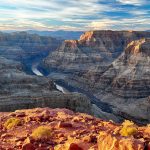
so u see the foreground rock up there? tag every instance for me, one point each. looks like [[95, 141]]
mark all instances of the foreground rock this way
[[62, 129]]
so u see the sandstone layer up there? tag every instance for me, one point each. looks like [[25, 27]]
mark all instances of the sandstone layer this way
[[66, 130]]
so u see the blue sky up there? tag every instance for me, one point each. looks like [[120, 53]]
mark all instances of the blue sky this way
[[74, 14]]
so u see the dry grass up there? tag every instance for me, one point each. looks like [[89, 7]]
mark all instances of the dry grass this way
[[128, 128], [11, 123], [41, 132]]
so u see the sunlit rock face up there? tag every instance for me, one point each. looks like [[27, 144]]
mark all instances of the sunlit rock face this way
[[91, 55], [130, 73], [93, 49], [113, 65], [19, 90], [126, 84], [66, 130]]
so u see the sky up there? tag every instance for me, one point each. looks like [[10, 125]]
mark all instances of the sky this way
[[74, 15]]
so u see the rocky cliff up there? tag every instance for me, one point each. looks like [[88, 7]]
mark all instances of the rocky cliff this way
[[26, 48], [19, 90], [62, 129], [112, 65], [18, 45], [126, 84], [91, 55]]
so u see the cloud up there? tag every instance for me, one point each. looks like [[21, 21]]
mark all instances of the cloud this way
[[139, 23], [69, 15], [132, 2]]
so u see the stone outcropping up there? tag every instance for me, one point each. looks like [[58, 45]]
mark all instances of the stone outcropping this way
[[62, 129]]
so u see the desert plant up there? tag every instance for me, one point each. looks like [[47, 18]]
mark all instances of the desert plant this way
[[128, 128], [11, 123], [41, 132]]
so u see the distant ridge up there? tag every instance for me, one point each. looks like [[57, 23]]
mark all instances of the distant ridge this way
[[70, 35]]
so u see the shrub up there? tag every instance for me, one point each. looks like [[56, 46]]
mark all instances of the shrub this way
[[11, 123], [41, 132], [128, 128]]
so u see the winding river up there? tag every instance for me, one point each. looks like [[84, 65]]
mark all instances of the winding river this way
[[38, 73], [65, 88]]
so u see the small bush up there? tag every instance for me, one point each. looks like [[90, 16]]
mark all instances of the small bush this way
[[11, 123], [128, 128], [41, 132]]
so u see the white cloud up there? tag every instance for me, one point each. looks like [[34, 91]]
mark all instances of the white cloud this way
[[132, 2], [139, 23], [67, 15]]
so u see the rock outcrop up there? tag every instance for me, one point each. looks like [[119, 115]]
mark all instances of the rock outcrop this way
[[62, 129], [19, 90]]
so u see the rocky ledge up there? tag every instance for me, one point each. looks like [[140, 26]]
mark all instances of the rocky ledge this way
[[62, 129]]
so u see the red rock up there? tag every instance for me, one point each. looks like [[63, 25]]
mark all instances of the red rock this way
[[28, 146], [21, 114], [29, 140], [71, 135], [64, 125], [5, 135], [74, 146], [107, 141]]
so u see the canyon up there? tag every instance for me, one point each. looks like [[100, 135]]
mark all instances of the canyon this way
[[104, 73], [113, 66], [74, 94]]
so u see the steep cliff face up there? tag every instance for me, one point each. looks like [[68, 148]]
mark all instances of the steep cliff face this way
[[126, 84], [26, 48], [19, 90], [94, 46], [92, 53], [62, 129], [112, 65], [19, 45]]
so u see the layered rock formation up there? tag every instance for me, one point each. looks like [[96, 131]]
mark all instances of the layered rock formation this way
[[98, 64], [126, 84], [20, 45], [62, 129], [91, 55], [26, 48], [19, 90]]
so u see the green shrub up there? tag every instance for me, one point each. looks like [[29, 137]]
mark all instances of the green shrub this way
[[11, 123], [128, 128], [41, 132]]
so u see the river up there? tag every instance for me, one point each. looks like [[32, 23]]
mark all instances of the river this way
[[67, 88], [38, 73]]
